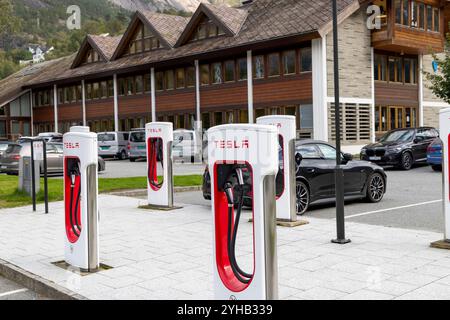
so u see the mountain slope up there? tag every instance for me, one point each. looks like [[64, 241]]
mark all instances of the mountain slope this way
[[162, 5]]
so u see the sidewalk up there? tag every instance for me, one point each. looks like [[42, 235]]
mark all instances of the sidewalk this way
[[160, 255]]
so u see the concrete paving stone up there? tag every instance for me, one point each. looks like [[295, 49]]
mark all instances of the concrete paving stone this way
[[432, 270], [121, 282], [415, 278], [349, 267], [302, 281], [345, 285], [392, 287], [367, 295], [433, 291], [320, 293]]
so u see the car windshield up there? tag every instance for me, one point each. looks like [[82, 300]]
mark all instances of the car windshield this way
[[106, 137], [3, 146], [137, 136], [399, 135]]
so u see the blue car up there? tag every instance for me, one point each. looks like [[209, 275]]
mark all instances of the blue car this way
[[434, 155]]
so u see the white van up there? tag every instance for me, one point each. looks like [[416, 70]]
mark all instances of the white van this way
[[185, 147], [113, 144]]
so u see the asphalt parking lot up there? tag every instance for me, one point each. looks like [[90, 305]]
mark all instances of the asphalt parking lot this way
[[413, 201], [125, 168], [12, 291]]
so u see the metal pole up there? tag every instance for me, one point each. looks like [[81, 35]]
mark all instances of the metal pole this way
[[339, 186], [33, 176], [44, 150]]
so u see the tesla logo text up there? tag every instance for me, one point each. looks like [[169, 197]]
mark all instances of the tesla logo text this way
[[232, 144], [159, 130], [71, 145]]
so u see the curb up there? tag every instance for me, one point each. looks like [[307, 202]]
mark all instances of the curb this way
[[143, 192], [36, 283]]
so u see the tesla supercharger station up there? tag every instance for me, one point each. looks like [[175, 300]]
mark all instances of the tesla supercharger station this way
[[81, 198], [159, 137], [286, 177], [444, 123], [238, 154]]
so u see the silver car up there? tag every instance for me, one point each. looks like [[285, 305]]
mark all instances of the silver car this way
[[9, 163], [137, 148], [113, 144]]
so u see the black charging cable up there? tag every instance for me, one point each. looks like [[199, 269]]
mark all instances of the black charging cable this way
[[241, 275]]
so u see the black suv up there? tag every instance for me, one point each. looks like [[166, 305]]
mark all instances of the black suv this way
[[401, 148]]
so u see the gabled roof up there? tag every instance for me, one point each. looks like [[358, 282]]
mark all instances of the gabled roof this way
[[103, 45], [268, 22], [166, 27], [228, 19]]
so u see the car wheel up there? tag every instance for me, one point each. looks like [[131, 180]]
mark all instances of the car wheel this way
[[132, 159], [376, 187], [437, 168], [406, 161], [122, 155], [303, 198]]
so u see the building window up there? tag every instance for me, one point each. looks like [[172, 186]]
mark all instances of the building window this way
[[147, 83], [91, 57], [242, 69], [190, 77], [103, 89], [130, 86], [306, 60], [139, 84], [143, 41], [110, 88], [204, 74], [289, 58], [180, 78], [258, 67], [217, 73], [436, 19], [429, 18], [206, 29], [395, 69], [95, 90], [398, 11], [414, 14], [306, 116], [421, 16], [405, 13], [169, 80], [159, 81], [274, 64], [380, 67], [122, 87], [229, 71]]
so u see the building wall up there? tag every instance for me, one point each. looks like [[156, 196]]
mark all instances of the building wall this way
[[355, 58], [431, 116], [428, 95], [356, 81]]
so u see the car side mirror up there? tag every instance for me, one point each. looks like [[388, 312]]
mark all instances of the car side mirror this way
[[347, 157], [298, 158]]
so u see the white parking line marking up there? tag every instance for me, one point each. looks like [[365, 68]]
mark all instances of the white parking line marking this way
[[12, 292], [392, 209]]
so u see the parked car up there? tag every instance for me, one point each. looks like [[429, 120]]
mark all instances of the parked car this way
[[51, 136], [185, 146], [9, 164], [316, 173], [434, 154], [3, 147], [137, 147], [401, 148], [113, 144]]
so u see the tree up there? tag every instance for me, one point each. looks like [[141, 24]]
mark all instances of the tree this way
[[440, 80], [9, 23]]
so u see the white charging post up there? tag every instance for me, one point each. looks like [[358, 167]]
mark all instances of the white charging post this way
[[159, 138], [81, 199], [286, 177], [241, 156]]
